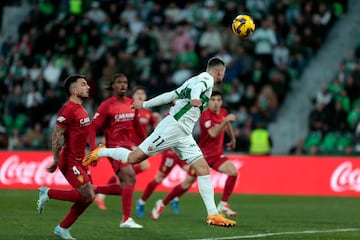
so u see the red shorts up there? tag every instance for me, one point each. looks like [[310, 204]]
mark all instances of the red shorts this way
[[75, 173], [117, 165], [169, 160], [216, 161]]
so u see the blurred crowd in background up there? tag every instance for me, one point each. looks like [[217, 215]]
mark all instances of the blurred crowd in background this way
[[159, 44]]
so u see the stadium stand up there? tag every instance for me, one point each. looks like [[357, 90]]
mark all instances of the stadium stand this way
[[157, 44]]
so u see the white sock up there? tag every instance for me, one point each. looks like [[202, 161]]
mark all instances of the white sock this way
[[142, 202], [120, 154], [206, 190], [101, 196]]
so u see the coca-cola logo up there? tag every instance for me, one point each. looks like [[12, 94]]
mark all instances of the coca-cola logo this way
[[17, 171], [177, 175], [345, 178]]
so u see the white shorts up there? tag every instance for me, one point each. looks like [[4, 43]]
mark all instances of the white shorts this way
[[168, 134]]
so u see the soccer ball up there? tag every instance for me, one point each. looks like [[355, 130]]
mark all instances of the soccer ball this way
[[243, 26]]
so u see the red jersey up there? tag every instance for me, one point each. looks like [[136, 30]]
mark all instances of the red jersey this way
[[119, 123], [146, 119], [75, 120], [211, 146]]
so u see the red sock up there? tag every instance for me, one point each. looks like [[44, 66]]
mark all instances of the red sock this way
[[137, 168], [228, 189], [72, 195], [149, 190], [111, 189], [127, 197], [113, 179], [177, 191], [75, 211]]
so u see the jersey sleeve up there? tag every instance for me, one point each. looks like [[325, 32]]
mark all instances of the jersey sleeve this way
[[162, 99], [64, 117]]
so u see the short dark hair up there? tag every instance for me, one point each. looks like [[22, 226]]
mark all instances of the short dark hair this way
[[112, 80], [71, 79], [138, 87], [217, 93], [214, 62]]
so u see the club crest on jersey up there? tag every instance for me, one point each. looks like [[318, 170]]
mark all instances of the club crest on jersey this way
[[80, 178], [207, 123]]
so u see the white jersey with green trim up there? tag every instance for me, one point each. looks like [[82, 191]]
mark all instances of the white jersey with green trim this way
[[198, 87]]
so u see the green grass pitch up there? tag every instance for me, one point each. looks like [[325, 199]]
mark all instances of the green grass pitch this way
[[259, 217]]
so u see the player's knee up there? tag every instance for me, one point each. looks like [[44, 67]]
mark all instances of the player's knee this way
[[159, 179], [89, 197], [87, 194], [233, 170], [127, 177], [186, 184], [144, 165], [201, 167], [233, 173]]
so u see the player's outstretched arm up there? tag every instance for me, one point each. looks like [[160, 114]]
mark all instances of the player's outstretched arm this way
[[162, 99]]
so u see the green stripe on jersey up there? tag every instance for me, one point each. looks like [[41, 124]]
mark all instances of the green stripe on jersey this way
[[185, 93], [182, 111], [204, 100], [204, 84]]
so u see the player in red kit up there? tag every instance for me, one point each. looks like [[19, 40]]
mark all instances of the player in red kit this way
[[119, 123], [214, 122], [148, 121], [72, 128], [169, 160]]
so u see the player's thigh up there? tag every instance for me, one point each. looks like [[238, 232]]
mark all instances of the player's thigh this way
[[75, 173], [201, 167], [188, 150], [224, 165], [163, 137]]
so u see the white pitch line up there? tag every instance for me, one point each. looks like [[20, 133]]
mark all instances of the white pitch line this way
[[283, 233]]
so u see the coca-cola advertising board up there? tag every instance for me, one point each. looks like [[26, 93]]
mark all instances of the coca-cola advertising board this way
[[280, 175]]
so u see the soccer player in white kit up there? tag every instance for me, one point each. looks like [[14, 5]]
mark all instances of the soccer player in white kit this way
[[175, 131]]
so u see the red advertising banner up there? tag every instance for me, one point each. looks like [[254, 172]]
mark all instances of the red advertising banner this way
[[280, 175]]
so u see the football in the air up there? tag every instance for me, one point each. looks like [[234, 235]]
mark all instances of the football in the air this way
[[243, 26]]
